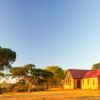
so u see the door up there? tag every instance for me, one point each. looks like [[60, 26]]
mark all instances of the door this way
[[78, 83]]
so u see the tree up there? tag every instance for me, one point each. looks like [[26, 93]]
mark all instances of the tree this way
[[48, 77], [58, 74], [1, 74], [96, 66], [32, 75], [7, 57], [43, 74], [22, 71], [25, 73]]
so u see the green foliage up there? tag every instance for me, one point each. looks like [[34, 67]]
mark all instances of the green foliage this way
[[41, 72], [57, 71], [31, 75], [17, 71], [19, 87], [58, 74], [22, 71], [96, 66], [28, 67], [65, 72], [47, 74], [6, 87], [1, 74], [7, 57]]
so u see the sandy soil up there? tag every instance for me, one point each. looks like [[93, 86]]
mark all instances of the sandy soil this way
[[53, 94]]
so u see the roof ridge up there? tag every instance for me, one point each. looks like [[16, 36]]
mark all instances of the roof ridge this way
[[80, 69]]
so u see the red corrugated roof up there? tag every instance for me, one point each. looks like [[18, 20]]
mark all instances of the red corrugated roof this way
[[77, 73], [92, 74]]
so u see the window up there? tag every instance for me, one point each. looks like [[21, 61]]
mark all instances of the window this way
[[83, 82], [88, 82], [68, 81], [93, 82]]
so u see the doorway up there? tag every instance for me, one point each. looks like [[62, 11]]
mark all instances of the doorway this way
[[78, 83]]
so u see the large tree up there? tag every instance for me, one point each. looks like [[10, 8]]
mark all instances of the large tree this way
[[32, 75], [58, 74], [47, 76], [96, 66], [7, 57], [25, 73], [22, 71]]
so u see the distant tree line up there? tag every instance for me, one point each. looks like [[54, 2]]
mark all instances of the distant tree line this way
[[30, 77], [96, 66]]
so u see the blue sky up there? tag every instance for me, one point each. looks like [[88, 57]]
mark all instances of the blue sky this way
[[52, 32]]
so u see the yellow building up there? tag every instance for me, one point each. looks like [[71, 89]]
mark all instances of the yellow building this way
[[73, 78], [83, 79], [91, 80]]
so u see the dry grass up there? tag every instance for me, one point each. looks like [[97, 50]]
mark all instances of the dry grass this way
[[53, 94]]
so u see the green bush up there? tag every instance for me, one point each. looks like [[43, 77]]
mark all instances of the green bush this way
[[20, 88]]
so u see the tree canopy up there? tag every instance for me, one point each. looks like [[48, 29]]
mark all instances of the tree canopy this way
[[58, 74], [22, 71], [96, 66], [31, 74], [7, 57]]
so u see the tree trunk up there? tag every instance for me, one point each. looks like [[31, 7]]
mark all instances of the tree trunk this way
[[30, 86]]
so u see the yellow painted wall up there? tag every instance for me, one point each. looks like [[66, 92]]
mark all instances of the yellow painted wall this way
[[89, 83], [75, 83], [68, 83], [72, 85]]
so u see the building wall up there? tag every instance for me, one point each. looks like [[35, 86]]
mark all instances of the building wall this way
[[71, 83], [89, 83], [68, 83], [98, 82], [76, 83]]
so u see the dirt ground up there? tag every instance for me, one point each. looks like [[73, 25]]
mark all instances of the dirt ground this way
[[53, 94]]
